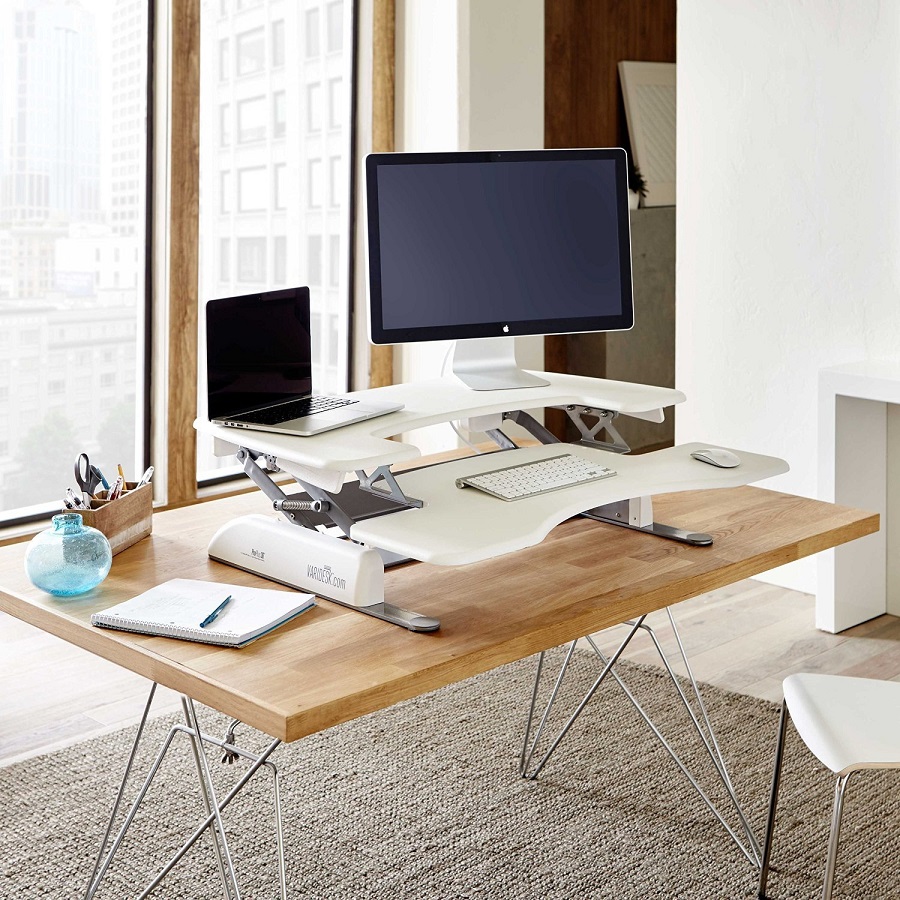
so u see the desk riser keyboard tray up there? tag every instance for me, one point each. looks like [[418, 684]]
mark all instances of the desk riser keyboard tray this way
[[457, 526]]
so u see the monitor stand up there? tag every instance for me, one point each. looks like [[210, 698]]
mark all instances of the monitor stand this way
[[489, 364]]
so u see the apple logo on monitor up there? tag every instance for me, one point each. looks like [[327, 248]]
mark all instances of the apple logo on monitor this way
[[506, 329]]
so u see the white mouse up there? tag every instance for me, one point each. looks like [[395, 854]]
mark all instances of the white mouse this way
[[715, 456]]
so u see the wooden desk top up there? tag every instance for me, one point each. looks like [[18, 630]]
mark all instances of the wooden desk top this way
[[333, 664]]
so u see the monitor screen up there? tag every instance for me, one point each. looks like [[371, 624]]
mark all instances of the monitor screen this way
[[485, 244]]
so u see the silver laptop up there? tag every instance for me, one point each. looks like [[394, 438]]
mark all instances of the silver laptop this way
[[259, 368]]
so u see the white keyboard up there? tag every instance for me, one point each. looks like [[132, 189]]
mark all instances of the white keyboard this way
[[538, 477]]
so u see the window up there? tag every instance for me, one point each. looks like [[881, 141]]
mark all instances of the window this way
[[279, 115], [335, 102], [224, 124], [314, 107], [225, 192], [224, 56], [251, 259], [251, 120], [278, 44], [279, 261], [252, 189], [251, 52], [335, 181], [314, 259], [276, 121], [314, 183], [335, 24], [225, 259], [280, 187], [334, 260], [70, 226], [312, 33]]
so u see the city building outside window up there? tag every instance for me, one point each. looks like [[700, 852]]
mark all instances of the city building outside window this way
[[73, 238], [289, 216]]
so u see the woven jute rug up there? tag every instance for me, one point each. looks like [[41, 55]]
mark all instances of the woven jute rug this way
[[424, 800]]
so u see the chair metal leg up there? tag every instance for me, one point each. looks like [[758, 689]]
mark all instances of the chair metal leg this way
[[773, 802], [840, 789]]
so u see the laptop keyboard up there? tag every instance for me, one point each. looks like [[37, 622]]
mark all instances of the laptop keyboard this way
[[296, 409]]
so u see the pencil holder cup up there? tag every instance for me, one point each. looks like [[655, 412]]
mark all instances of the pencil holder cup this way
[[69, 558]]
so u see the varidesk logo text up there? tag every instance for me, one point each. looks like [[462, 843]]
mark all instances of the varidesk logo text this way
[[325, 575]]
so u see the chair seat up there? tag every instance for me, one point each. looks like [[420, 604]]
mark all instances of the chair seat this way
[[847, 723]]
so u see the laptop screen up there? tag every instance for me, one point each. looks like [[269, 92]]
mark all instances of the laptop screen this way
[[258, 351]]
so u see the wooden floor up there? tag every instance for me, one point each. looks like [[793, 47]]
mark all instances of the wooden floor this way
[[744, 638]]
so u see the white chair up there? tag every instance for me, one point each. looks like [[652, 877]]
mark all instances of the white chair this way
[[849, 724]]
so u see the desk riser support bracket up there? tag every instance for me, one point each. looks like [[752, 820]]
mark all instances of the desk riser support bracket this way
[[605, 418], [261, 478], [394, 491], [637, 514]]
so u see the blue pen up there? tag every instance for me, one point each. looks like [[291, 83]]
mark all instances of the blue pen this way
[[215, 613], [103, 480]]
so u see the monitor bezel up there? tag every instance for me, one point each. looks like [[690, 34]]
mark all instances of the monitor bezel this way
[[380, 335]]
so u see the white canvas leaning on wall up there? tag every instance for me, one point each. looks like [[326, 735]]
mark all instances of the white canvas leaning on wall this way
[[649, 92]]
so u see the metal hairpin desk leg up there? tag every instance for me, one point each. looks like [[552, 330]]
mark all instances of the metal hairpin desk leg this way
[[212, 806], [749, 845]]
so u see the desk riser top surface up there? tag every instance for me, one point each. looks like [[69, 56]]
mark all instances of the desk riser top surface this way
[[457, 526], [333, 664], [366, 445]]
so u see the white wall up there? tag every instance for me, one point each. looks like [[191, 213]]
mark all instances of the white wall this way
[[470, 76], [788, 217]]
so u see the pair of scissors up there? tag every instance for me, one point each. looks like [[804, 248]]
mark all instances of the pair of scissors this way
[[87, 476]]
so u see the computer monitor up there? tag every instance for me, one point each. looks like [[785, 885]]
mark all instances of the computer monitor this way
[[480, 247]]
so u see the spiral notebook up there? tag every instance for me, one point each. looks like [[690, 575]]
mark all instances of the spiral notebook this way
[[177, 607]]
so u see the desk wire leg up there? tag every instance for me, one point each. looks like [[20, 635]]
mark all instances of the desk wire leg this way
[[701, 724], [584, 702], [712, 745], [214, 809], [751, 853], [121, 792], [198, 831], [100, 872], [217, 830], [526, 754]]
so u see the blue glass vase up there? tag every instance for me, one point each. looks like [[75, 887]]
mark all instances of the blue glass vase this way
[[69, 558]]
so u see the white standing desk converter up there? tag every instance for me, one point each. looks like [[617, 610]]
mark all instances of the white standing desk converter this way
[[438, 522]]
